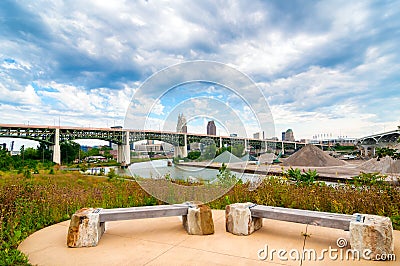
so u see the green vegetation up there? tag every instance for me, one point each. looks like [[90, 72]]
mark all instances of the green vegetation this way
[[29, 201], [236, 149], [339, 147], [344, 198], [20, 163], [301, 178], [369, 179], [225, 177], [209, 152], [70, 151], [28, 204], [193, 155], [382, 152]]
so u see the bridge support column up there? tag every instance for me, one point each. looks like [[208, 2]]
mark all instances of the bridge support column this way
[[220, 142], [181, 151], [56, 148], [283, 148], [264, 147], [124, 151]]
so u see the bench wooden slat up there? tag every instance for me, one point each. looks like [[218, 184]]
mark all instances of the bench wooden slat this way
[[325, 219], [107, 215]]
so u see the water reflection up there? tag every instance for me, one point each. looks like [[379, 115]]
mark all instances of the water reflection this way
[[159, 169]]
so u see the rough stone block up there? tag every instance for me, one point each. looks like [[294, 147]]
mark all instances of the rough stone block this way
[[85, 229], [199, 220], [371, 232], [239, 221]]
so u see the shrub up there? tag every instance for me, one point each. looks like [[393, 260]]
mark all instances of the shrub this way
[[28, 205], [111, 174], [368, 179], [225, 177], [193, 155], [301, 178]]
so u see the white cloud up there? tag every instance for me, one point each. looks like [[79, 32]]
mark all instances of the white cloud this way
[[332, 62], [26, 96]]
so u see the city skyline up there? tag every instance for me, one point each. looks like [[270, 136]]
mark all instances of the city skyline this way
[[325, 67]]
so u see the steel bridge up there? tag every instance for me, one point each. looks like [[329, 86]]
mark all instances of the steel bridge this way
[[54, 135], [385, 139]]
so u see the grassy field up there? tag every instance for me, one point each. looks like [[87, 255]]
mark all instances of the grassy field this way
[[31, 202]]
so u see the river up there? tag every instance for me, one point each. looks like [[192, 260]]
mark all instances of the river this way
[[159, 169]]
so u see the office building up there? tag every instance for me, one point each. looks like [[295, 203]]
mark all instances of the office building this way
[[289, 136], [181, 125], [211, 129]]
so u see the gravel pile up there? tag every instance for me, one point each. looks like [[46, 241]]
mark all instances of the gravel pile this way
[[267, 158], [311, 155], [227, 157], [384, 165]]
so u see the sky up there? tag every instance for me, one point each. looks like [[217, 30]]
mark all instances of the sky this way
[[322, 67]]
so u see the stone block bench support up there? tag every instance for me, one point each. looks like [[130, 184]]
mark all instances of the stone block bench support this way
[[88, 225], [239, 220], [371, 232]]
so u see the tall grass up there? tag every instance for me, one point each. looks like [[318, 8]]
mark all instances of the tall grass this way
[[379, 199], [31, 202]]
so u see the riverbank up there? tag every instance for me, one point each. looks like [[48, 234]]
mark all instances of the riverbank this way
[[332, 173]]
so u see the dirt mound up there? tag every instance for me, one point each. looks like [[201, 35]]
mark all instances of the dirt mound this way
[[227, 157], [267, 158], [311, 155], [384, 165]]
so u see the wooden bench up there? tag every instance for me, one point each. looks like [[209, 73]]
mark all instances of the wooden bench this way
[[88, 225], [366, 231]]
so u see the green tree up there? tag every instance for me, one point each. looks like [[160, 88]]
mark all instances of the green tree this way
[[69, 151], [106, 151], [222, 150], [6, 162], [93, 152], [210, 151], [30, 153], [193, 155], [225, 177], [237, 150], [382, 152], [43, 152]]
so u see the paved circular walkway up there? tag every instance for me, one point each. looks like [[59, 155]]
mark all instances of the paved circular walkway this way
[[163, 241]]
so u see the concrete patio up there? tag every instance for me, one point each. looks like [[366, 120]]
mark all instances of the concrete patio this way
[[163, 241]]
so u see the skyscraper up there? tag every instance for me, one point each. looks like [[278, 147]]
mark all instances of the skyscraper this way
[[289, 135], [181, 125], [211, 129]]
